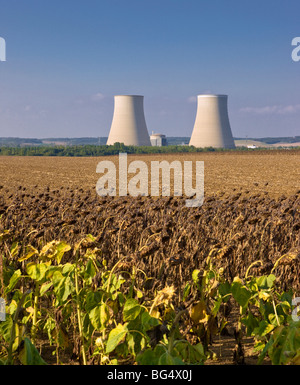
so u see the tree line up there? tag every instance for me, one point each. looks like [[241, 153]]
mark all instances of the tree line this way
[[93, 150]]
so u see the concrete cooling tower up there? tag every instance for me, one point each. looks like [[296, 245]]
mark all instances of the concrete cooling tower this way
[[212, 127], [128, 124]]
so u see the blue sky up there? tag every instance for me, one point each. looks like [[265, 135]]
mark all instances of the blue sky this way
[[67, 59]]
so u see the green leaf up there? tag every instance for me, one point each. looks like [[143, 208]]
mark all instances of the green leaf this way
[[216, 307], [186, 291], [251, 323], [166, 359], [45, 287], [265, 282], [190, 354], [285, 344], [14, 249], [264, 349], [195, 276], [225, 289], [147, 357], [200, 350], [294, 338], [29, 355], [90, 270], [99, 316], [116, 336], [63, 286], [169, 359], [264, 328], [279, 347], [286, 307], [273, 319], [135, 342], [37, 271], [13, 281], [5, 327], [30, 251], [68, 268], [259, 346], [287, 296], [131, 309], [93, 298], [149, 322], [240, 293], [151, 357]]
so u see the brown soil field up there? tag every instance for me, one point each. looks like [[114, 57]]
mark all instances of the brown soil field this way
[[251, 211], [274, 172]]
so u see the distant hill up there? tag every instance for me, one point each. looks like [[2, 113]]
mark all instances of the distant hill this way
[[275, 140], [268, 142], [251, 142], [23, 142]]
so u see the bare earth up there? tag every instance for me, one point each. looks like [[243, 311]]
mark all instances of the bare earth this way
[[274, 172]]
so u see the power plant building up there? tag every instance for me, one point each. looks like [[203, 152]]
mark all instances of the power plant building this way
[[129, 124], [158, 140], [212, 127]]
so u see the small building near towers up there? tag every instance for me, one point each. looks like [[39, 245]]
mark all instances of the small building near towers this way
[[158, 140]]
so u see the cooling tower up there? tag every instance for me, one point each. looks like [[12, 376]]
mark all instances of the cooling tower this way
[[212, 127], [128, 124]]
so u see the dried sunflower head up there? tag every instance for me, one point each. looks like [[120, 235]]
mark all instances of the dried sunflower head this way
[[164, 295]]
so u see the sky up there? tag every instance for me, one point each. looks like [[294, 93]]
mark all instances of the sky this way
[[66, 59]]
